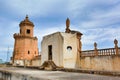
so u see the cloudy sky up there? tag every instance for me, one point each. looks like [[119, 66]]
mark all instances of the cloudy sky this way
[[98, 20]]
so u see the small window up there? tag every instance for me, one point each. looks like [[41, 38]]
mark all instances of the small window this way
[[69, 48], [28, 52], [28, 31], [20, 31]]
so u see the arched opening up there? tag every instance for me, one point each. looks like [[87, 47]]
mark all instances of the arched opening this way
[[69, 48]]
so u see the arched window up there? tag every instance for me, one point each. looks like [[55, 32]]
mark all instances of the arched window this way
[[69, 48]]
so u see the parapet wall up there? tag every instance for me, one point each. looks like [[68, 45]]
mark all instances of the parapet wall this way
[[101, 59], [106, 63]]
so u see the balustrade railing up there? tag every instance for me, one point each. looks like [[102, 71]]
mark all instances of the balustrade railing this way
[[102, 52]]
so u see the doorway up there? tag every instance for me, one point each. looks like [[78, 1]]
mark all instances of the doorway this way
[[50, 52]]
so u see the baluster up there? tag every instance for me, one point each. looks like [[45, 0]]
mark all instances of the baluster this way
[[113, 52], [104, 52], [108, 51], [100, 52]]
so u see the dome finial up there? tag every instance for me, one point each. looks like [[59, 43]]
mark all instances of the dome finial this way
[[67, 22], [67, 25], [26, 21], [26, 16]]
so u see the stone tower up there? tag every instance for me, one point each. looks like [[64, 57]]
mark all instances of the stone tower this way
[[26, 45]]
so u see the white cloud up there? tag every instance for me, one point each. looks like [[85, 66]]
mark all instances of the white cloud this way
[[111, 13], [42, 32], [33, 8], [80, 8], [7, 29], [101, 17], [103, 36]]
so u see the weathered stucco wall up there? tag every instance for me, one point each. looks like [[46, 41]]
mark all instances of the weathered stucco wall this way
[[56, 41], [19, 62], [36, 62], [107, 63], [23, 45], [70, 56], [61, 43]]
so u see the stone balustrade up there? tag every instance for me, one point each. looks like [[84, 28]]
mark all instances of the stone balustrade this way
[[102, 52]]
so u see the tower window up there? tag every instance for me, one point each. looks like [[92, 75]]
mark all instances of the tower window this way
[[28, 52], [20, 31], [28, 31]]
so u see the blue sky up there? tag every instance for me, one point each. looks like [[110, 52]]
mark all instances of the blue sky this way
[[98, 20]]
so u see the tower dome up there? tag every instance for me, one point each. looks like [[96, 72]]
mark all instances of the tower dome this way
[[26, 21]]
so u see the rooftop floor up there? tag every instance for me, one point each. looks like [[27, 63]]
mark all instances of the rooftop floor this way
[[56, 75]]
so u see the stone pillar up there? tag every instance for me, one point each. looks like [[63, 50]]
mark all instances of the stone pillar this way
[[79, 45], [95, 49], [116, 47]]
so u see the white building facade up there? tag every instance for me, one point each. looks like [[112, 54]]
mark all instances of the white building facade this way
[[63, 48]]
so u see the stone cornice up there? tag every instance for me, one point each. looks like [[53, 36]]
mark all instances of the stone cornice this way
[[17, 35]]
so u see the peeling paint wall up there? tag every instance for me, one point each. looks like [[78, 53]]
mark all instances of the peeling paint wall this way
[[107, 63]]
